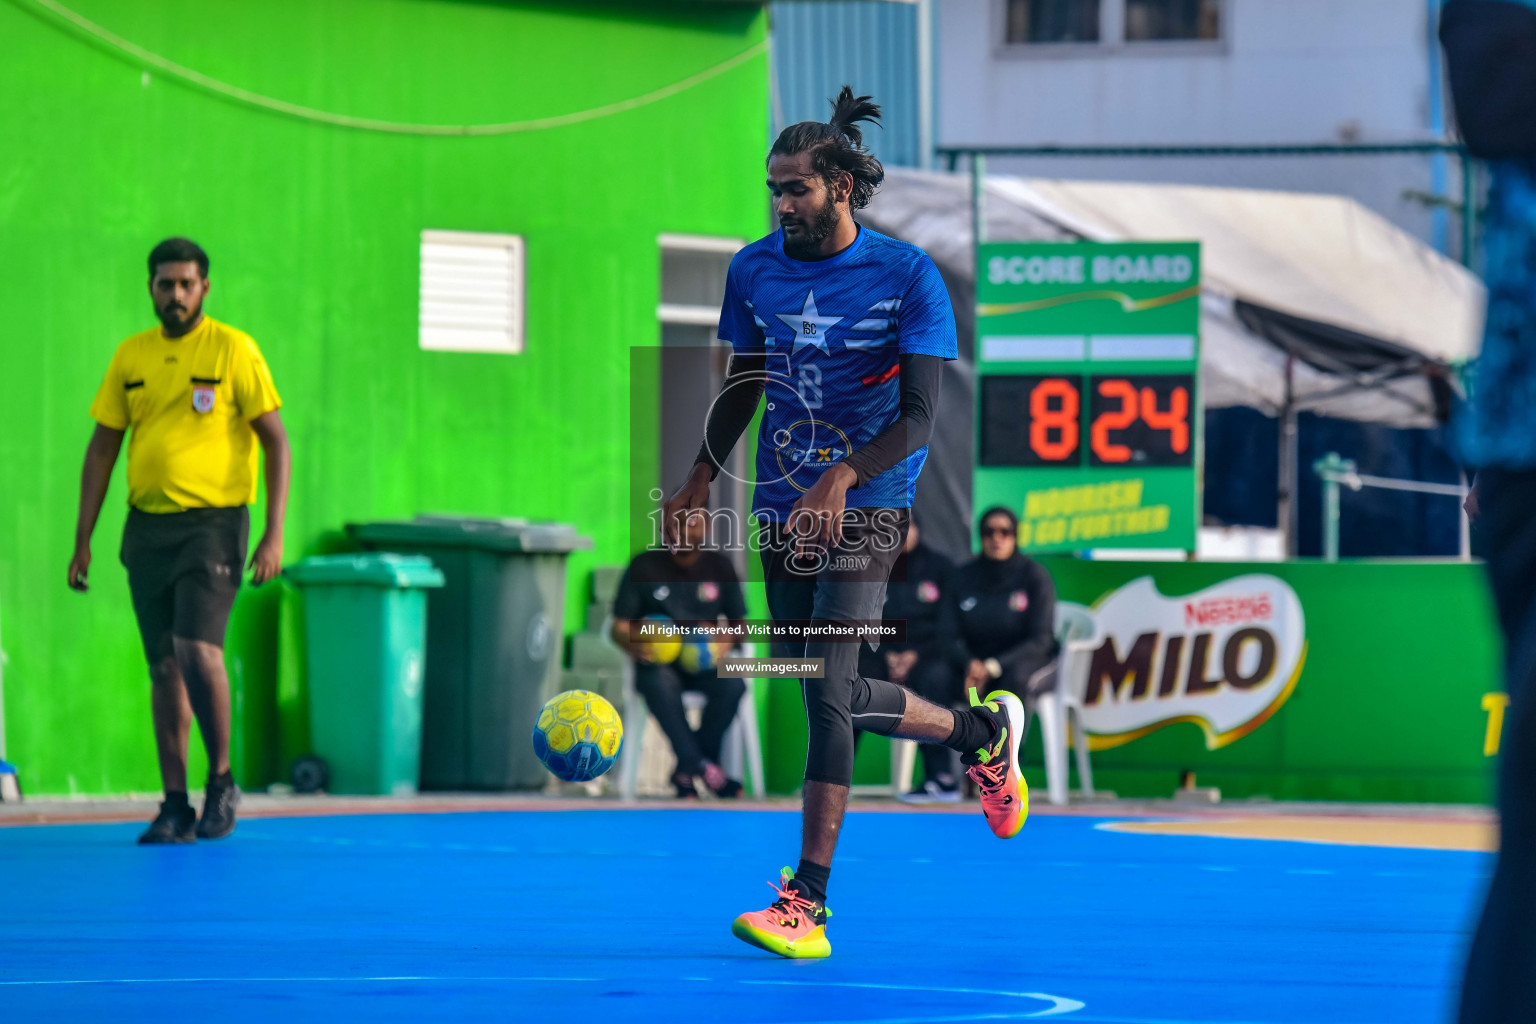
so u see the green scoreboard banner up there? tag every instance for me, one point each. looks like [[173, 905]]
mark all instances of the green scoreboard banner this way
[[1088, 363]]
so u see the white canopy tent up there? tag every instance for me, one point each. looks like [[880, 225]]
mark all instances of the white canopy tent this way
[[1319, 258], [1310, 302]]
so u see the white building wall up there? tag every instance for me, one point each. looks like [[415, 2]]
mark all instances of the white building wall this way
[[1286, 71]]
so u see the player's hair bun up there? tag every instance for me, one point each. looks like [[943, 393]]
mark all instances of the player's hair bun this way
[[848, 110]]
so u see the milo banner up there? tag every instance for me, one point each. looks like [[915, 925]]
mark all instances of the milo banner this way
[[1089, 423], [1224, 658], [1356, 680]]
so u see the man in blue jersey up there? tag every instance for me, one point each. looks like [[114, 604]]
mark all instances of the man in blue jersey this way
[[843, 332], [1490, 50]]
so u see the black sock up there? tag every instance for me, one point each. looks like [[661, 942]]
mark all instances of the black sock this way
[[227, 779], [175, 799], [973, 730], [813, 879]]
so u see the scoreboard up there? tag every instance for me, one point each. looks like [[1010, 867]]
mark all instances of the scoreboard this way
[[1042, 420], [1088, 420]]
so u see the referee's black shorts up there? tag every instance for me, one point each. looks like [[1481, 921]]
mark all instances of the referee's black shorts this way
[[184, 571]]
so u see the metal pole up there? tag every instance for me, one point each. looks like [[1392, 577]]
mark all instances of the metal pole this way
[[1465, 523], [1330, 519], [1333, 470], [1268, 149], [1468, 210], [1329, 467], [1439, 223], [1289, 456], [978, 198], [925, 84]]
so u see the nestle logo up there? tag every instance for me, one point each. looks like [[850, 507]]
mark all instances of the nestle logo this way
[[1221, 611]]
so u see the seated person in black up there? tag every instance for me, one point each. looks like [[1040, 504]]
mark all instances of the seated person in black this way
[[1002, 606], [914, 596], [692, 587]]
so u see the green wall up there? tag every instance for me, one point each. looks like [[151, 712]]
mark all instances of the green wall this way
[[314, 231], [1388, 706]]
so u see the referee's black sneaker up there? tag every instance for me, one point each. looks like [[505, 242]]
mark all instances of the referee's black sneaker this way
[[174, 824], [219, 802]]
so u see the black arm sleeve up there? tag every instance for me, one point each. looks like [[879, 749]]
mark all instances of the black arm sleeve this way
[[920, 377], [732, 599], [745, 381]]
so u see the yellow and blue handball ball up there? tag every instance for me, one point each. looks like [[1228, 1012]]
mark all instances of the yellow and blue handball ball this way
[[663, 649], [578, 735], [697, 654]]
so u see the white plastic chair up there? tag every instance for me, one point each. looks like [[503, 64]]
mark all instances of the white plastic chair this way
[[741, 752], [1058, 710], [903, 761], [1061, 709]]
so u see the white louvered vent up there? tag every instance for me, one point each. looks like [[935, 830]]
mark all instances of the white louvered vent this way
[[471, 292]]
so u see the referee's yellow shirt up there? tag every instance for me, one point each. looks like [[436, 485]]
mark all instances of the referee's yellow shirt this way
[[189, 402]]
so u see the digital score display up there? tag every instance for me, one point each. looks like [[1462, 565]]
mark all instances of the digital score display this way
[[1123, 420]]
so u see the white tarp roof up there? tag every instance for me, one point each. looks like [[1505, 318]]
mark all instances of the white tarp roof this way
[[1320, 257]]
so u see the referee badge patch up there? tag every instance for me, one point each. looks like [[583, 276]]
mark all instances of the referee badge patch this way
[[709, 591], [202, 398], [1018, 600]]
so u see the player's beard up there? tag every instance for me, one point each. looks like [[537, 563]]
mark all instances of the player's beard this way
[[176, 318], [807, 244]]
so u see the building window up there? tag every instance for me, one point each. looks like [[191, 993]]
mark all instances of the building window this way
[[1053, 21], [1172, 19], [693, 271], [1087, 26], [471, 292]]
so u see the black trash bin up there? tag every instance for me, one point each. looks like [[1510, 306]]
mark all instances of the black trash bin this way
[[493, 642]]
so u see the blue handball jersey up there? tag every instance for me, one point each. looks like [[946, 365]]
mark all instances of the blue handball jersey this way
[[833, 331]]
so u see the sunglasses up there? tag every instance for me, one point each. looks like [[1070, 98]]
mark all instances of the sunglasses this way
[[997, 531]]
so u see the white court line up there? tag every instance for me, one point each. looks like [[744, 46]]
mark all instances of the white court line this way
[[1062, 1005], [1059, 1004]]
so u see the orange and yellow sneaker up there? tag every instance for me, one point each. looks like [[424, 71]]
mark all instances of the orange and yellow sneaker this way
[[793, 926], [995, 767]]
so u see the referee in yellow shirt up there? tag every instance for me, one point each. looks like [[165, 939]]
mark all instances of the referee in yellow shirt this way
[[198, 398]]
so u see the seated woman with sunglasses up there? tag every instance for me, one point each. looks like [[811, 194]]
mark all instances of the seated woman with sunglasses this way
[[1001, 610]]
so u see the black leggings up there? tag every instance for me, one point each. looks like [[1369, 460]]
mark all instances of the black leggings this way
[[663, 687], [847, 585], [932, 679]]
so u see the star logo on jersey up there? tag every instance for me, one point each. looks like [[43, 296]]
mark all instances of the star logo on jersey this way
[[809, 325]]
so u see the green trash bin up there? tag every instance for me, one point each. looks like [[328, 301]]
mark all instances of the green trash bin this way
[[494, 637], [365, 627]]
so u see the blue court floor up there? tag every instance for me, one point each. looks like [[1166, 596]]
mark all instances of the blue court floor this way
[[615, 915]]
